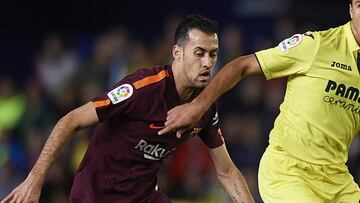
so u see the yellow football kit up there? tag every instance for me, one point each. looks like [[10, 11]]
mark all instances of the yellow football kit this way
[[319, 117]]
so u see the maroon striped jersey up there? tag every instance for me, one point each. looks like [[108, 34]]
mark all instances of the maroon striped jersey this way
[[125, 152]]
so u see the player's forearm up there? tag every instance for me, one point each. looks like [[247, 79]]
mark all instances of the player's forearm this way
[[235, 185], [226, 79], [53, 147]]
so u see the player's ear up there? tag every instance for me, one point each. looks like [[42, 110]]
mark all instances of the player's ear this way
[[177, 52], [351, 10]]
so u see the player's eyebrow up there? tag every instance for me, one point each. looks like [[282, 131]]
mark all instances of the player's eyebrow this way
[[202, 49]]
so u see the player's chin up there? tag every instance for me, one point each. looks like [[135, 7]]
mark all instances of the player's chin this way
[[202, 84]]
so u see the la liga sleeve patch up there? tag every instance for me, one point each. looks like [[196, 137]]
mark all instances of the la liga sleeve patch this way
[[120, 93], [290, 42]]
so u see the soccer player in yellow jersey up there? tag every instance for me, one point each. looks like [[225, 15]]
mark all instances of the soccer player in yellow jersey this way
[[319, 117]]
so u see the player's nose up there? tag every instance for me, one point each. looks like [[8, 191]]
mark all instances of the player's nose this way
[[206, 61]]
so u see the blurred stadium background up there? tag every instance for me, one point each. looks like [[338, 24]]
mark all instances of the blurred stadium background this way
[[57, 55]]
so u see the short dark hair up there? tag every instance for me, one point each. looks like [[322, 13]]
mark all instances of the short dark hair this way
[[350, 1], [192, 21]]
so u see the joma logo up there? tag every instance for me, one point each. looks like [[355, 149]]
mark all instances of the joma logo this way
[[341, 66]]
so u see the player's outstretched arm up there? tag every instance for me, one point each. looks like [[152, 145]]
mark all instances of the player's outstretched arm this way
[[185, 116], [29, 190], [230, 177]]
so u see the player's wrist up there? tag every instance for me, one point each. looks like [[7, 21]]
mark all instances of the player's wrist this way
[[201, 104], [37, 176]]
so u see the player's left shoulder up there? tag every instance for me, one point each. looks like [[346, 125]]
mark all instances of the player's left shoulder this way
[[132, 86], [149, 77], [309, 35], [121, 93], [299, 40]]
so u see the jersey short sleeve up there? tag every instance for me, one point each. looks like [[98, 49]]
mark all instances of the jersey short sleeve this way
[[116, 102], [212, 135], [292, 56]]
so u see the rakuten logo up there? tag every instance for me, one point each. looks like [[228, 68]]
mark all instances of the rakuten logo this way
[[153, 152]]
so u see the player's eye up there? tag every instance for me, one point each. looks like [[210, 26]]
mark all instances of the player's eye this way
[[213, 55], [199, 54]]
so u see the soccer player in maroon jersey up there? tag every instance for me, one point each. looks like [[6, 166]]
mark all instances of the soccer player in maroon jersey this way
[[126, 152]]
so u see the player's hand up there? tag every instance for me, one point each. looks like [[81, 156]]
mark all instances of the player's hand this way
[[27, 192], [182, 118]]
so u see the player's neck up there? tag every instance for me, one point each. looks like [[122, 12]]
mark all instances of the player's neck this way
[[183, 86], [355, 32], [185, 93]]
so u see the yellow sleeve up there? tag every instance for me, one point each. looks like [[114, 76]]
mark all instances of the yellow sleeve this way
[[292, 56]]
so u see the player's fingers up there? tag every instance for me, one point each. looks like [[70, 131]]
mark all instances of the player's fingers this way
[[167, 129], [176, 111], [179, 133], [169, 121], [175, 120], [169, 114], [14, 199], [8, 198], [5, 199], [172, 115], [173, 110], [27, 197], [18, 198]]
